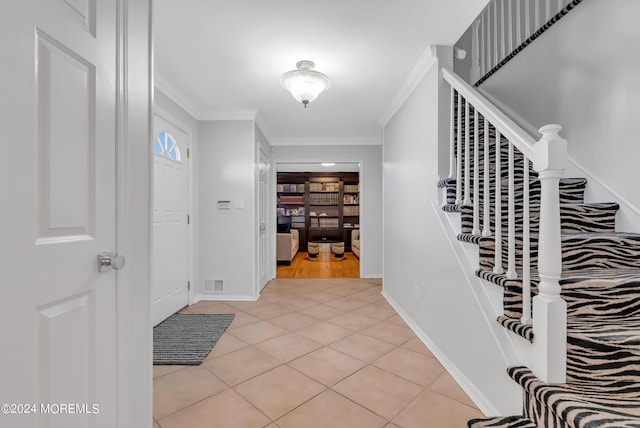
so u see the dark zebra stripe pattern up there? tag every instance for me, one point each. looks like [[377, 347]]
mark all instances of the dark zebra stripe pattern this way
[[576, 406], [574, 218], [502, 422], [571, 191], [514, 325]]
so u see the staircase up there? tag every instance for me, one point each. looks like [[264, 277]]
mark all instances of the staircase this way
[[503, 207]]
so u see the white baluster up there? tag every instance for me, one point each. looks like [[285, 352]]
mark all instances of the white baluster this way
[[467, 154], [536, 4], [483, 46], [548, 15], [560, 5], [518, 24], [486, 213], [475, 54], [549, 309], [488, 63], [511, 219], [527, 19], [510, 26], [503, 36], [459, 153], [497, 267], [495, 32], [452, 150], [476, 174], [526, 248]]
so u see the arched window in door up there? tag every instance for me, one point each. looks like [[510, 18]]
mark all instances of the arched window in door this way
[[166, 145]]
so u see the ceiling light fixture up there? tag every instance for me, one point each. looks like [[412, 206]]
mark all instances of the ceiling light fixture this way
[[328, 164], [305, 84]]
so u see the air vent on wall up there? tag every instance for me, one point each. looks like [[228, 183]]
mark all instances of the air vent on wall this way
[[212, 286]]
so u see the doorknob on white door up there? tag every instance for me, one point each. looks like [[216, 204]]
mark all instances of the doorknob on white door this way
[[108, 260]]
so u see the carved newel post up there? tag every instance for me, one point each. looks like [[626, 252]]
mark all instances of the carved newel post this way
[[549, 309]]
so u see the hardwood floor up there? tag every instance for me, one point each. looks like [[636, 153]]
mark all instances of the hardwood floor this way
[[325, 266]]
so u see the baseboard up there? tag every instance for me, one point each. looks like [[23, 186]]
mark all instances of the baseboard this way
[[474, 393], [224, 297]]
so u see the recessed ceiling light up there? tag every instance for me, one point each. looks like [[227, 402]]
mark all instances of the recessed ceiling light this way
[[328, 164]]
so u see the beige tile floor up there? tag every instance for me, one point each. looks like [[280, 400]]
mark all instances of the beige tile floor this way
[[312, 353]]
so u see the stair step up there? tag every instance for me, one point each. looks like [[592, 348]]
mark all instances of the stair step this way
[[571, 192], [515, 326], [580, 251], [604, 351], [580, 405], [574, 218], [502, 422], [602, 292]]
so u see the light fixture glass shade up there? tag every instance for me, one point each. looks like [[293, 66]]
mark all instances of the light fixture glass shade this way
[[305, 84]]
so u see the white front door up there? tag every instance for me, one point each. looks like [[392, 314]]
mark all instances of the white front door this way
[[58, 178], [264, 210], [170, 254]]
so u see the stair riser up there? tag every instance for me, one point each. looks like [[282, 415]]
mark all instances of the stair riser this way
[[574, 218], [610, 356], [579, 252], [619, 297], [571, 192]]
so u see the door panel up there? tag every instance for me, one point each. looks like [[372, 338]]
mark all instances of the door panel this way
[[170, 255], [264, 223], [58, 177]]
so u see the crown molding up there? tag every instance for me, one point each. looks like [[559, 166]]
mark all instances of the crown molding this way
[[177, 96], [230, 114], [338, 141], [427, 60]]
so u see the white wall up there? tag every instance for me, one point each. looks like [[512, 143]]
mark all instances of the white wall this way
[[226, 165], [422, 276], [370, 158], [583, 74]]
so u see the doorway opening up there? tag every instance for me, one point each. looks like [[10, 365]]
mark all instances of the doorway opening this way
[[318, 220]]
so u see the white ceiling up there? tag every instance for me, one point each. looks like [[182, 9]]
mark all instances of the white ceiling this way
[[222, 59]]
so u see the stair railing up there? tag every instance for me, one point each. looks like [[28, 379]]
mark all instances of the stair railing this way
[[547, 314]]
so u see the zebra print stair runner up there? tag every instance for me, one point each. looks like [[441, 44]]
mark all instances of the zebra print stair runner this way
[[601, 285]]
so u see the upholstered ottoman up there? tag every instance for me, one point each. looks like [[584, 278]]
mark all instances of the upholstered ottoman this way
[[313, 248], [337, 249]]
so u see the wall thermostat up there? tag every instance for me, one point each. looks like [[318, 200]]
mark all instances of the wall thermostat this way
[[224, 205]]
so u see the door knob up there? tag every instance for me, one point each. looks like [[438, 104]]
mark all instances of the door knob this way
[[107, 260]]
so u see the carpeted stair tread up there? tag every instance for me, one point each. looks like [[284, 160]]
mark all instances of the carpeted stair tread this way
[[604, 351], [574, 218], [613, 292], [502, 422], [579, 405], [579, 250], [515, 326], [571, 192]]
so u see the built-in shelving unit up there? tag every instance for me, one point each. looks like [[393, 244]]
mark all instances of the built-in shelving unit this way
[[322, 206]]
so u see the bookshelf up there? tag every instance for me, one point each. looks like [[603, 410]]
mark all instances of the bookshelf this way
[[322, 206]]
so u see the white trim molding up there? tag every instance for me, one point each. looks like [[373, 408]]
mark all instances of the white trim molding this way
[[165, 86], [424, 64], [337, 141]]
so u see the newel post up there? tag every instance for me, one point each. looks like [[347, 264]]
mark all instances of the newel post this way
[[549, 309]]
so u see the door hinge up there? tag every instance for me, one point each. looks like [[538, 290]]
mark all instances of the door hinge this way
[[188, 219]]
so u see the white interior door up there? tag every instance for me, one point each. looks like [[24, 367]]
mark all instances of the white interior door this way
[[264, 210], [58, 175], [170, 254]]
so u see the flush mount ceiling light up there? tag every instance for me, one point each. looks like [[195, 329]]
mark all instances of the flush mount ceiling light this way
[[305, 84], [328, 164]]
